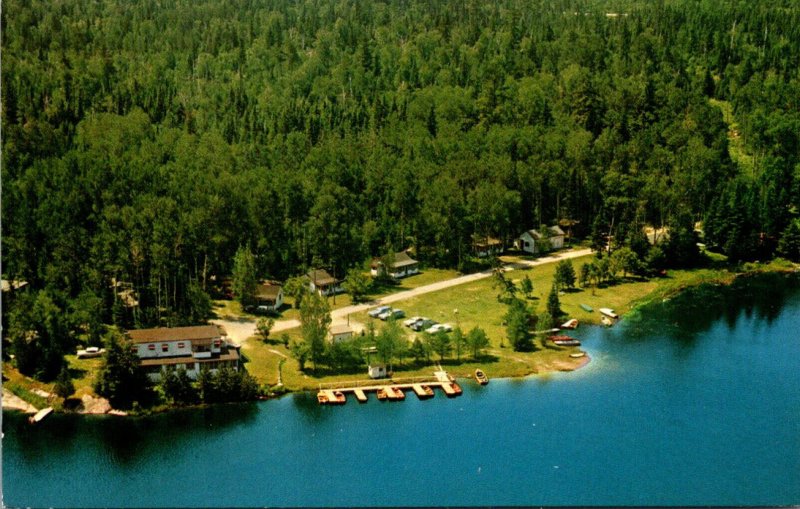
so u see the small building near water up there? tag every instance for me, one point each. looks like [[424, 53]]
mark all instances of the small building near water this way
[[376, 370]]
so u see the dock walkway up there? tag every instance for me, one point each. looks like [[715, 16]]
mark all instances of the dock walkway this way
[[393, 389]]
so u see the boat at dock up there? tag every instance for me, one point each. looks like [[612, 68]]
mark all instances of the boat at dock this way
[[452, 389], [608, 322], [328, 397], [481, 377], [40, 415], [422, 391]]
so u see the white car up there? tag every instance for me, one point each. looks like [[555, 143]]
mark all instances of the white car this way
[[392, 313], [411, 321], [374, 313], [439, 326]]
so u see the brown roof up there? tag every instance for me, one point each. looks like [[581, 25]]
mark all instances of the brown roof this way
[[401, 259], [340, 329], [196, 333], [486, 242], [231, 355], [320, 277], [268, 291]]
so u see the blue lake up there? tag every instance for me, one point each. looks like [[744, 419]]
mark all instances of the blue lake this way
[[695, 401]]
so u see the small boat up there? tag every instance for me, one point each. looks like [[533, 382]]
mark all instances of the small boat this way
[[325, 397], [428, 391], [481, 377], [606, 321], [586, 308], [609, 313], [40, 415], [422, 391], [456, 388], [570, 324], [562, 340], [382, 395], [577, 355]]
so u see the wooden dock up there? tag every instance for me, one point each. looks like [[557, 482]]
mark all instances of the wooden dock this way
[[392, 390]]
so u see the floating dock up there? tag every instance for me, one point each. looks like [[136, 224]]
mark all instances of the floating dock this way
[[392, 391]]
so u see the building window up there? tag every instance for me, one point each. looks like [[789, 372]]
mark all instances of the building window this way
[[217, 342], [135, 349], [151, 347], [181, 344], [164, 347]]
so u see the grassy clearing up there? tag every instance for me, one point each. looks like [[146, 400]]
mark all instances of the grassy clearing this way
[[736, 148], [477, 305], [23, 386], [233, 309]]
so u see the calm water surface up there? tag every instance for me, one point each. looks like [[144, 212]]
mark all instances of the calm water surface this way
[[691, 402]]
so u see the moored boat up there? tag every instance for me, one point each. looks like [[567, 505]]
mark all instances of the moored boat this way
[[382, 395], [481, 377], [609, 313], [322, 398], [608, 322], [570, 324], [40, 415], [456, 389], [577, 355], [562, 340]]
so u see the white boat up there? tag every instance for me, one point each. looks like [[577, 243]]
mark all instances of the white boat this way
[[40, 415], [570, 324], [606, 321], [609, 313]]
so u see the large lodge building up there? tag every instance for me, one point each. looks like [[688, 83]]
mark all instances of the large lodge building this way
[[191, 348]]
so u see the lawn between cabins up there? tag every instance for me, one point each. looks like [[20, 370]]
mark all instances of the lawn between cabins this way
[[233, 309], [477, 305]]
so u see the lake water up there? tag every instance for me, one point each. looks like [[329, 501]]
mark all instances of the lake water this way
[[695, 401]]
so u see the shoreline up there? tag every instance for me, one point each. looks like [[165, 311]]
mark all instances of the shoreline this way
[[10, 402]]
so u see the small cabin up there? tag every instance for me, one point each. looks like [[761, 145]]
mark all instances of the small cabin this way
[[269, 295], [339, 333], [376, 370]]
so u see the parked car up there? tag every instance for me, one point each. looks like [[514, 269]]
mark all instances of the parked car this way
[[439, 326], [377, 311], [411, 321], [423, 324], [396, 313], [92, 351]]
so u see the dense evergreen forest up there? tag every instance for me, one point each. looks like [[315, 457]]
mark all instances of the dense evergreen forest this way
[[147, 141]]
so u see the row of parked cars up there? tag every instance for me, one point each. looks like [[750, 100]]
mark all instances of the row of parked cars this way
[[416, 323]]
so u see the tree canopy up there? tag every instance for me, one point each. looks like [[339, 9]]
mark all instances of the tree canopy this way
[[145, 142]]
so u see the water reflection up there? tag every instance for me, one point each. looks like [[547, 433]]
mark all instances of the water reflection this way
[[692, 313]]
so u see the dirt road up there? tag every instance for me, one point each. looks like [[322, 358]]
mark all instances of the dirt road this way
[[241, 329]]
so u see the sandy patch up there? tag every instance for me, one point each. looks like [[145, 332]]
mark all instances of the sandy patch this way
[[13, 402]]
